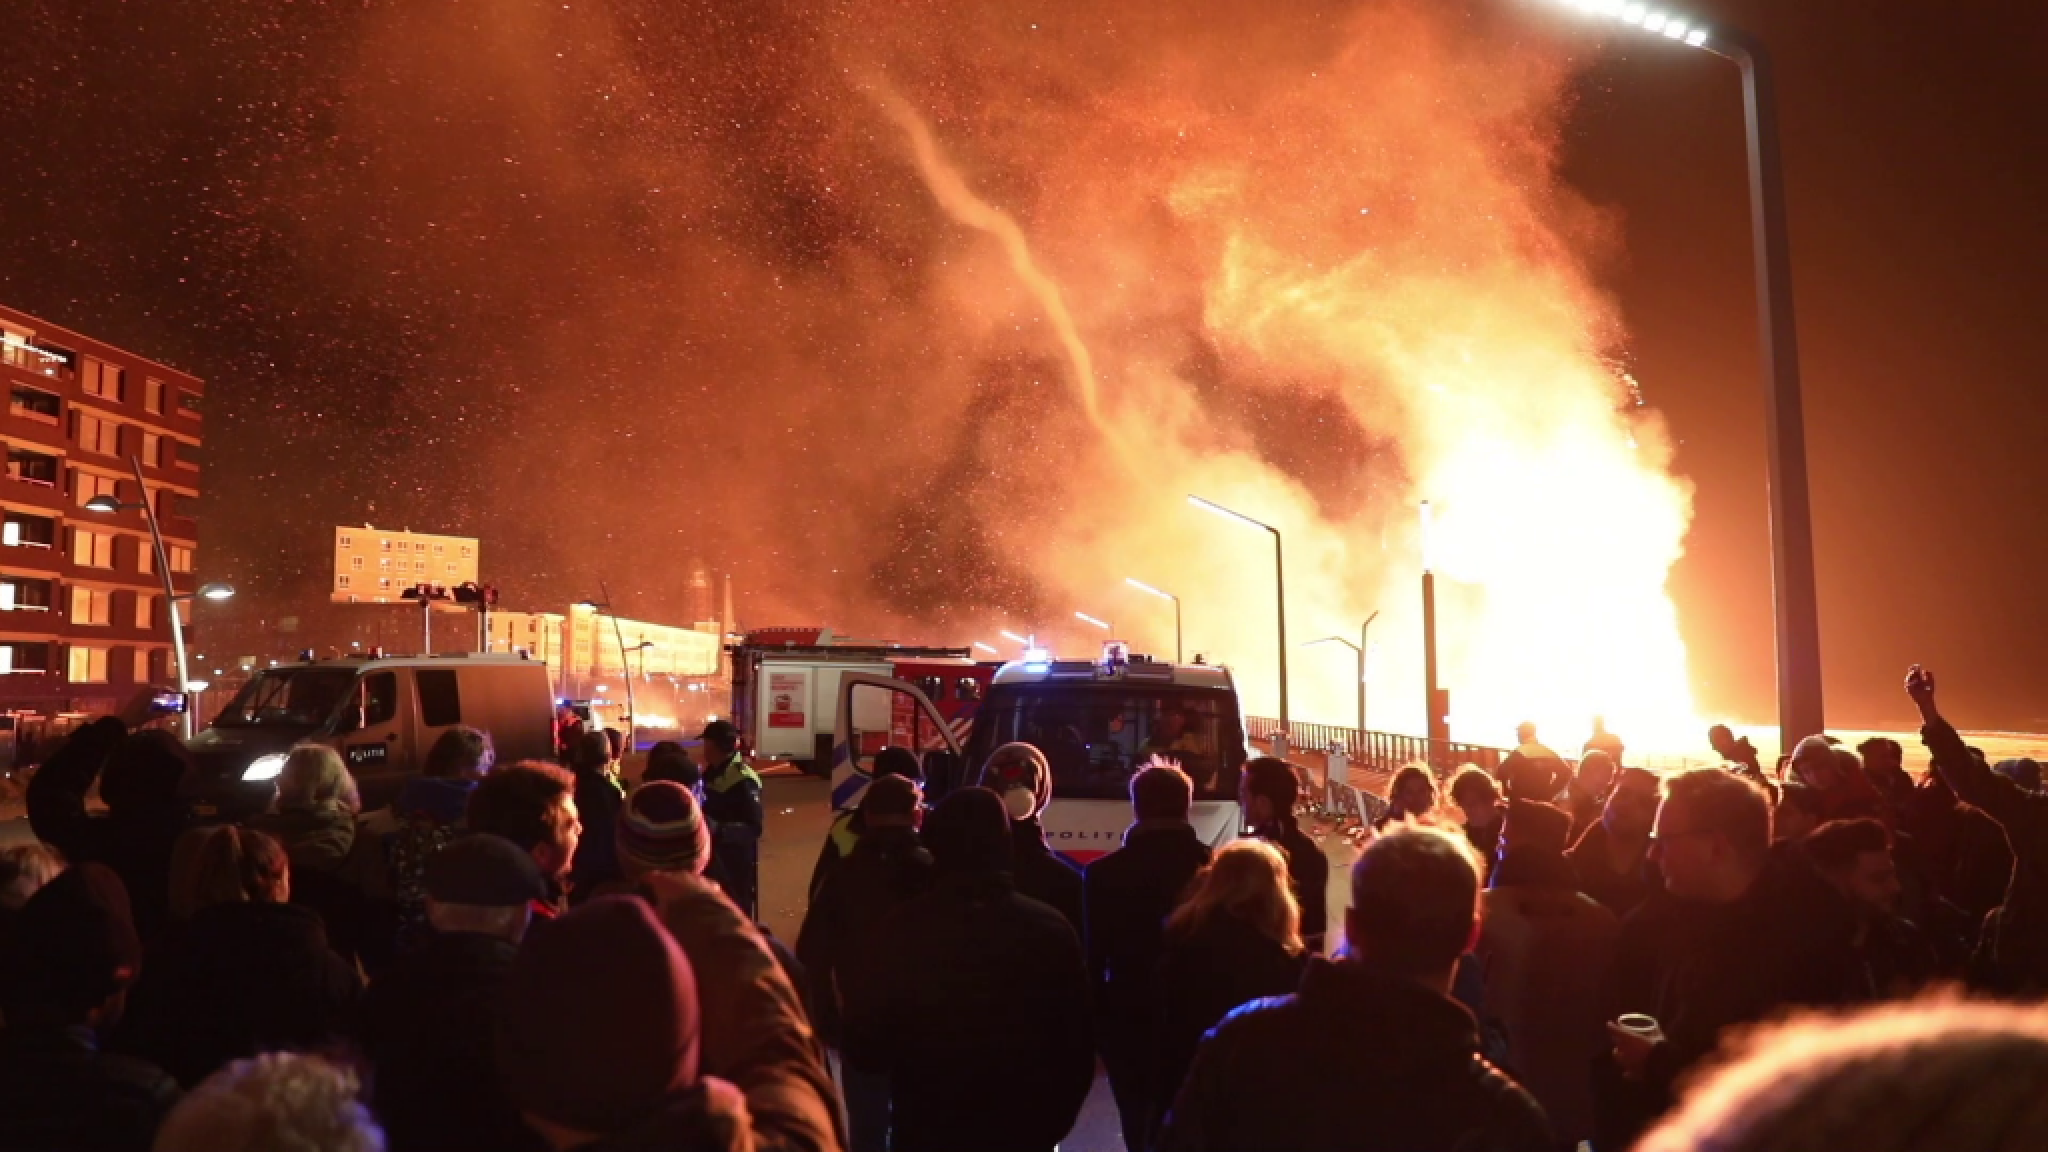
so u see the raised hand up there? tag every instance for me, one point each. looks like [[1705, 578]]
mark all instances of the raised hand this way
[[1920, 686]]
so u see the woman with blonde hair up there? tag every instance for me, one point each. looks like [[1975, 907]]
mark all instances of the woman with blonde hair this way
[[1236, 937], [314, 816]]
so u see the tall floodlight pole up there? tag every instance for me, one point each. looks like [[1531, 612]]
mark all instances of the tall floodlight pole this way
[[1794, 597], [1438, 726], [1358, 650], [625, 669], [1279, 588], [1141, 586]]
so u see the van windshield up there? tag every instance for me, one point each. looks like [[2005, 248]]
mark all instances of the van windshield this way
[[1097, 735], [288, 698]]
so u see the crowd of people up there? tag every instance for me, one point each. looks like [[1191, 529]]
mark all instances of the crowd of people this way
[[1549, 955]]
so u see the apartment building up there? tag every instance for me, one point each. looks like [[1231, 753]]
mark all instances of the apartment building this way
[[376, 565], [83, 621]]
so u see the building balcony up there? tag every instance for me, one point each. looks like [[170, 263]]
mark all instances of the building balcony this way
[[29, 358]]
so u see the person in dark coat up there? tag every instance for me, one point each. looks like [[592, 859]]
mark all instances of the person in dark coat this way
[[533, 804], [1612, 856], [889, 866], [1743, 932], [1477, 795], [1020, 774], [250, 973], [974, 999], [1895, 959], [597, 1041], [2013, 955], [598, 799], [426, 1024], [77, 955], [1411, 795], [1371, 1053], [1532, 771], [139, 777], [1128, 895], [1235, 939], [1586, 796], [849, 823], [1267, 790]]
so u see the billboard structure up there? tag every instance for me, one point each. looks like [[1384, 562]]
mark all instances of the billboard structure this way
[[376, 565]]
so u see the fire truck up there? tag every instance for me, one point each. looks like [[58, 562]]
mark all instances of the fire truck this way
[[786, 694], [1097, 721]]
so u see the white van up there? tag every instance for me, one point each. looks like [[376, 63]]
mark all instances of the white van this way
[[381, 713]]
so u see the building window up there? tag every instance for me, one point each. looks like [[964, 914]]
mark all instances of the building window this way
[[20, 657], [145, 611], [181, 558], [188, 404], [97, 434], [440, 548], [355, 563], [341, 581], [384, 563], [152, 450], [465, 551], [347, 542], [384, 582], [101, 379], [91, 605], [36, 404], [153, 394], [20, 530], [419, 565], [142, 665], [88, 665], [92, 549], [166, 503], [451, 569], [145, 559], [34, 467], [24, 594], [86, 485], [387, 545]]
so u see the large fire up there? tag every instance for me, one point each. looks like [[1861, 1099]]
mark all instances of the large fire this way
[[1383, 235]]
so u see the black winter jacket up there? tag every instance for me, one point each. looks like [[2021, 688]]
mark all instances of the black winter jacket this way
[[2013, 957], [1043, 876], [427, 1029], [974, 1000], [888, 867], [1357, 1060], [1203, 974], [1308, 873], [135, 839], [58, 1090], [1127, 896], [238, 980]]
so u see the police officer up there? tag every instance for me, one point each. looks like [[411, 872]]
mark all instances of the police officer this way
[[732, 803]]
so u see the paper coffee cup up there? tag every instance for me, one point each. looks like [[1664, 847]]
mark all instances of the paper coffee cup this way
[[1637, 1023]]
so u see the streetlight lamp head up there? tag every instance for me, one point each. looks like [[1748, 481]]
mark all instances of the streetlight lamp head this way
[[216, 591], [1141, 586], [103, 503], [1083, 616]]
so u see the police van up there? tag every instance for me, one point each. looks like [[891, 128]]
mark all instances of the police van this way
[[1097, 721], [381, 713]]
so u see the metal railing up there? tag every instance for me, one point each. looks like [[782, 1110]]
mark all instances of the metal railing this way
[[1382, 752]]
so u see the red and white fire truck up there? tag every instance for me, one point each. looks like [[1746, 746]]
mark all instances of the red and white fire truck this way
[[786, 694]]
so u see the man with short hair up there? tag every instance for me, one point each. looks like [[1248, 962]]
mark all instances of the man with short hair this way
[[66, 979], [1372, 1053], [1268, 790], [1127, 896], [1612, 855], [1740, 934], [755, 1031], [1586, 796], [1533, 771], [1894, 957], [533, 804], [732, 802], [426, 1023], [888, 867]]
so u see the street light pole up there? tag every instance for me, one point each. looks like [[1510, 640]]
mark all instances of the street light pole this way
[[1358, 651], [1141, 586], [163, 568], [1279, 589], [1795, 599]]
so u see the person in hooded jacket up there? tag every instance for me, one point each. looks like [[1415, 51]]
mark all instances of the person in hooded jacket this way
[[1235, 939], [974, 999], [1019, 773], [250, 972], [849, 823], [64, 988], [889, 866], [427, 1023], [139, 778], [1128, 895], [314, 819], [1268, 790], [598, 800], [1371, 1053], [598, 1035], [1545, 951]]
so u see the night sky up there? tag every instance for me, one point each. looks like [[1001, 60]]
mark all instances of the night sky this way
[[437, 291]]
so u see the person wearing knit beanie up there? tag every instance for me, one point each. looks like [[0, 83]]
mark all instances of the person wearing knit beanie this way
[[1019, 774], [598, 1022], [661, 829]]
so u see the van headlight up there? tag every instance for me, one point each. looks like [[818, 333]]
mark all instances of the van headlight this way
[[264, 768]]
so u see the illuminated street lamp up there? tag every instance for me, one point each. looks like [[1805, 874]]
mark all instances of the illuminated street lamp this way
[[1087, 619], [1279, 586], [605, 606], [1141, 586], [1359, 649], [1793, 595], [1024, 640], [107, 504], [988, 648]]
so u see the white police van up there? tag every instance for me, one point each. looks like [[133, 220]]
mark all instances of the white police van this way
[[1097, 721]]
